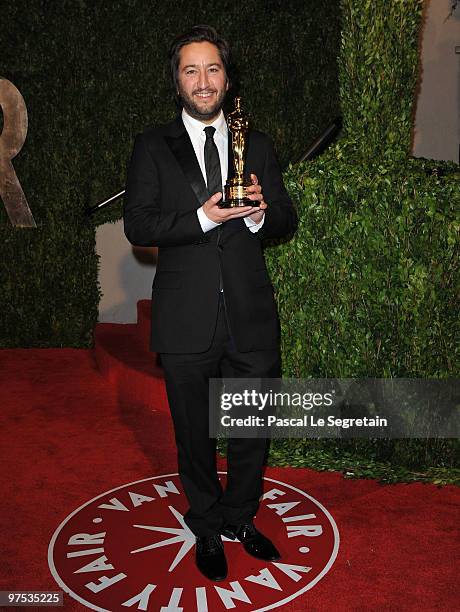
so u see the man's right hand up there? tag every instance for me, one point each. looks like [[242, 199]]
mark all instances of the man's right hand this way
[[220, 215]]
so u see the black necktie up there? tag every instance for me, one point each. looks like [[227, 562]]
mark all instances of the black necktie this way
[[212, 162]]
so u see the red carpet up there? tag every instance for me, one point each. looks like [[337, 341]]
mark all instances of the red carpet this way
[[123, 356], [68, 438]]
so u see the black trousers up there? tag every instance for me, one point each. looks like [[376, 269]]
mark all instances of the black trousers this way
[[187, 378]]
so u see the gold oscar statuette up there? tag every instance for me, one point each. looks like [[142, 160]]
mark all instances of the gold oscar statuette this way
[[235, 190]]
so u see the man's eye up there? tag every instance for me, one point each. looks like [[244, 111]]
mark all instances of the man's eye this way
[[189, 71], [214, 69]]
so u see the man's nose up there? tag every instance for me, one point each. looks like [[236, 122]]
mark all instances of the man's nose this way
[[203, 79]]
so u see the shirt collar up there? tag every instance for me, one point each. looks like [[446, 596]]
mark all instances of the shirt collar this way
[[198, 126]]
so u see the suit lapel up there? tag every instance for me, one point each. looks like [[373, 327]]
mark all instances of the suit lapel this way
[[181, 146]]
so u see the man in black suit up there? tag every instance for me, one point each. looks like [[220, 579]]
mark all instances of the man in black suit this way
[[213, 311]]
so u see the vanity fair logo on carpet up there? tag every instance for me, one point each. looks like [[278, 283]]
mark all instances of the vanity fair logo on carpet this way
[[130, 549]]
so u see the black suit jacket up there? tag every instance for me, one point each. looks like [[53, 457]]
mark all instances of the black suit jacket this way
[[164, 188]]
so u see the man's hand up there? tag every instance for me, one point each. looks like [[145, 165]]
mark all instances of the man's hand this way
[[220, 215]]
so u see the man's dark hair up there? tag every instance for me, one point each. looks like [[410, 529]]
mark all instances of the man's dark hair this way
[[199, 33]]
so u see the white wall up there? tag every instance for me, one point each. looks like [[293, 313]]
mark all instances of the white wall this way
[[437, 123], [126, 273]]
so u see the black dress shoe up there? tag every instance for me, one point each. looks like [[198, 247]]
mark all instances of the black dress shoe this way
[[254, 542], [210, 557]]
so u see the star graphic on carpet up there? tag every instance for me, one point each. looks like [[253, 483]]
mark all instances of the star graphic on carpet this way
[[182, 534]]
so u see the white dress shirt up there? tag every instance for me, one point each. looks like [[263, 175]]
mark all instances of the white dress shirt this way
[[195, 130]]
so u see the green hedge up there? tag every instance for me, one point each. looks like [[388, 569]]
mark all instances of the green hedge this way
[[379, 66], [93, 74], [369, 285]]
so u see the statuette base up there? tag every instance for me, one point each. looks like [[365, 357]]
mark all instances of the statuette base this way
[[236, 194]]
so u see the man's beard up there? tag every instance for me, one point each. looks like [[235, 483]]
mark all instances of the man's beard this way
[[194, 111]]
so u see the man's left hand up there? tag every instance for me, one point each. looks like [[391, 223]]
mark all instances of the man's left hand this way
[[255, 191]]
